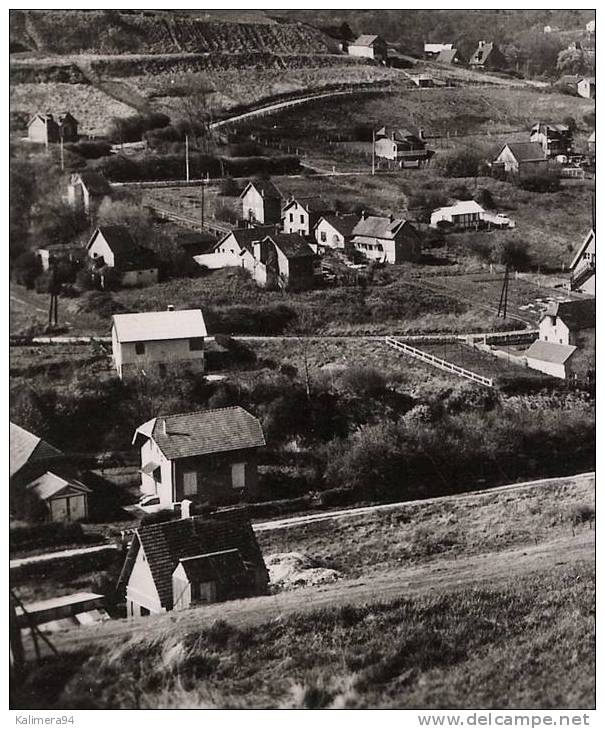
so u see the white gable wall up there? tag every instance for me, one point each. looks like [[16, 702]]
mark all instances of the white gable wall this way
[[141, 590], [100, 249]]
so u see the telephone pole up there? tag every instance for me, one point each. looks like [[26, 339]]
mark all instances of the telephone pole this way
[[187, 157], [373, 150], [203, 201]]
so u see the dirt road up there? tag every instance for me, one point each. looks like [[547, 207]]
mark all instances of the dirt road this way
[[440, 575]]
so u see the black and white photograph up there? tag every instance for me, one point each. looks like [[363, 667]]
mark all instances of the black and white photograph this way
[[302, 363]]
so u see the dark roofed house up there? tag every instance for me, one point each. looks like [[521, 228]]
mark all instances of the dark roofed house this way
[[401, 145], [45, 129], [369, 46], [208, 456], [387, 239], [335, 231], [87, 190], [450, 56], [192, 561], [300, 214], [583, 267], [587, 87], [281, 260], [520, 159], [487, 57], [113, 246], [261, 202], [555, 139]]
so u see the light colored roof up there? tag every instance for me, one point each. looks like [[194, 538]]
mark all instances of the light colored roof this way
[[589, 237], [437, 47], [447, 55], [26, 447], [550, 352], [366, 40], [49, 484], [379, 227], [159, 325], [203, 432], [461, 207]]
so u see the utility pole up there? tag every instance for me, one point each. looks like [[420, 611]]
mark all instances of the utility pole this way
[[187, 157], [504, 295], [203, 201], [62, 156], [373, 150]]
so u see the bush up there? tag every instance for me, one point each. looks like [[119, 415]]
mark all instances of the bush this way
[[224, 212], [464, 163], [545, 182], [50, 534], [131, 128], [229, 187], [485, 198], [27, 269], [90, 150], [363, 380]]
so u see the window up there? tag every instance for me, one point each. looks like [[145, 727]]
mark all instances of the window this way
[[189, 483], [238, 475], [323, 236], [139, 347], [291, 218], [144, 611], [196, 344], [302, 219]]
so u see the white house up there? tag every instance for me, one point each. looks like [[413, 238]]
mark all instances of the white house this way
[[463, 214], [335, 231], [386, 239], [113, 246], [158, 342], [521, 158], [570, 323], [261, 202], [229, 250], [587, 87], [300, 214], [583, 266], [208, 456], [551, 358], [369, 46], [590, 26], [87, 190]]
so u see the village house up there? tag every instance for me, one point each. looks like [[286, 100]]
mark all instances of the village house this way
[[570, 323], [401, 145], [191, 561], [335, 231], [555, 139], [520, 159], [281, 260], [432, 50], [56, 254], [451, 56], [208, 456], [87, 190], [261, 202], [300, 214], [386, 239], [590, 26], [158, 342], [369, 46], [587, 87], [553, 359], [487, 57], [463, 214], [113, 247], [44, 129], [43, 486], [229, 250], [583, 267]]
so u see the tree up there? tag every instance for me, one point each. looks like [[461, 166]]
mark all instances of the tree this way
[[27, 268], [195, 110], [134, 217], [572, 61], [512, 252], [571, 123]]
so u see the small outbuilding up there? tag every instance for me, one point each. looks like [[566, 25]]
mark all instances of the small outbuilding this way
[[369, 46], [112, 246]]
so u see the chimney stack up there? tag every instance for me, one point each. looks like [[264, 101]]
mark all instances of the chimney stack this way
[[364, 215], [186, 508], [170, 307], [391, 218], [164, 431]]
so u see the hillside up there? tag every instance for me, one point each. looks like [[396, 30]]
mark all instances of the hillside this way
[[112, 31]]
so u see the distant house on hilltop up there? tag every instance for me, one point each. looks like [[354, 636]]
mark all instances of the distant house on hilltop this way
[[261, 202], [208, 456], [43, 487], [555, 139], [158, 342], [587, 87], [401, 145], [386, 239], [487, 57], [432, 50], [87, 190], [114, 247], [590, 26], [520, 159], [583, 266], [300, 214], [191, 561], [45, 129], [369, 46]]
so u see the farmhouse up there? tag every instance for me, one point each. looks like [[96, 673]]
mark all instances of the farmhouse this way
[[43, 487], [583, 267], [386, 239], [587, 87], [112, 246], [335, 231], [87, 190], [301, 214], [463, 214], [401, 145], [44, 129], [280, 260], [261, 202], [229, 250], [555, 139], [487, 57], [570, 323], [432, 50], [520, 159], [369, 46], [191, 561], [208, 456], [451, 56], [158, 342], [551, 358]]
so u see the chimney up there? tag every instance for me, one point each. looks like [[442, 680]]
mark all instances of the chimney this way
[[421, 134], [164, 431], [391, 218], [170, 307], [364, 215], [481, 44], [186, 508]]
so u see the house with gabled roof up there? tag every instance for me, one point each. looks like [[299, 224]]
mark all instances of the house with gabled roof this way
[[113, 247], [569, 322], [583, 267], [281, 260], [87, 190], [406, 147], [192, 561], [229, 250], [261, 202], [555, 139], [520, 159], [158, 342], [587, 87], [487, 57], [369, 46], [450, 56], [432, 50], [335, 231], [45, 129], [386, 239], [206, 456], [300, 214], [43, 486]]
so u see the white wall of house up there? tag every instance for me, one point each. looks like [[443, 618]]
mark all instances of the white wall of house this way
[[361, 51], [101, 249], [376, 249], [386, 148], [328, 237], [141, 590], [549, 368], [552, 329], [150, 453], [169, 352], [296, 219], [584, 89], [36, 131]]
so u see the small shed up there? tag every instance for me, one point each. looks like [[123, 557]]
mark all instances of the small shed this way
[[207, 578], [369, 46]]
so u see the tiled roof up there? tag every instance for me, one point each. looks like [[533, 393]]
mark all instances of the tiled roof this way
[[462, 207], [526, 151], [167, 543], [94, 182], [585, 243], [128, 255], [49, 484], [265, 187], [245, 237], [344, 224], [159, 325], [311, 203], [25, 447], [375, 226], [292, 245], [220, 566], [550, 352], [203, 432], [366, 40], [575, 314]]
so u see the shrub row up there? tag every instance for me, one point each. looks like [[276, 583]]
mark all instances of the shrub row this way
[[45, 535]]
